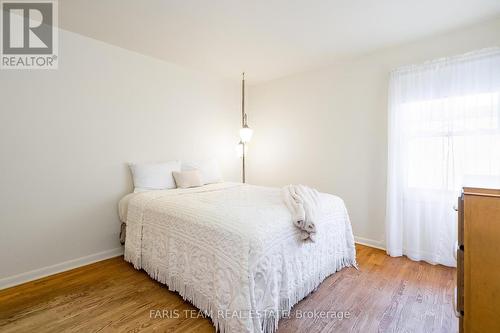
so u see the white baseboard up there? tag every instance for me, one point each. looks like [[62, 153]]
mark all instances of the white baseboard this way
[[15, 280], [369, 242]]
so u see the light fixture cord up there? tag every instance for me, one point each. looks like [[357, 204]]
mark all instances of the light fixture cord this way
[[243, 123], [243, 115]]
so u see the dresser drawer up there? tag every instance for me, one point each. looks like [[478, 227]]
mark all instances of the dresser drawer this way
[[478, 267]]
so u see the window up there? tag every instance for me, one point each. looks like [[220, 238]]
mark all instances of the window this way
[[452, 139], [444, 131]]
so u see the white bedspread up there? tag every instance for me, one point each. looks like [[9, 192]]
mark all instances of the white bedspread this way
[[233, 251]]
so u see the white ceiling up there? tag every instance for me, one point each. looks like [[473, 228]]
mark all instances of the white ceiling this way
[[265, 38]]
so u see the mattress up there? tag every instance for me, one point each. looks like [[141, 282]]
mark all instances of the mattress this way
[[233, 251]]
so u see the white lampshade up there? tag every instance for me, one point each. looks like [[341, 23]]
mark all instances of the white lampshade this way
[[246, 134], [239, 149]]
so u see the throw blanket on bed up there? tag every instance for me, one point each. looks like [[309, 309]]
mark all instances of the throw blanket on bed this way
[[231, 250], [304, 203]]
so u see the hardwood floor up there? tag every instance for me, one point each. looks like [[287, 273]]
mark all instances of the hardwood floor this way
[[385, 295]]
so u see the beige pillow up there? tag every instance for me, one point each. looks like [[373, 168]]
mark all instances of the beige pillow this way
[[185, 179]]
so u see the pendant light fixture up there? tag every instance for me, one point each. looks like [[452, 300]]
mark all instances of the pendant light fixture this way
[[245, 131]]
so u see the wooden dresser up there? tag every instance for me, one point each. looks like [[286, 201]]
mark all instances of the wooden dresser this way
[[478, 260]]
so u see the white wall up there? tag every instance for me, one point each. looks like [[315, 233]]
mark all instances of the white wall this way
[[66, 136], [328, 128]]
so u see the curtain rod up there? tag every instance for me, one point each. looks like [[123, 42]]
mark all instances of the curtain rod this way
[[469, 56]]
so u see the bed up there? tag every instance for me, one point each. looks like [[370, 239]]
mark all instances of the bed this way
[[232, 250]]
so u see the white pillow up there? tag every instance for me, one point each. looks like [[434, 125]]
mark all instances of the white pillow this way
[[185, 179], [209, 169], [154, 176]]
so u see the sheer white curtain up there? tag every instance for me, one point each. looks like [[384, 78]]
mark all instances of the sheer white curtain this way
[[444, 127]]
